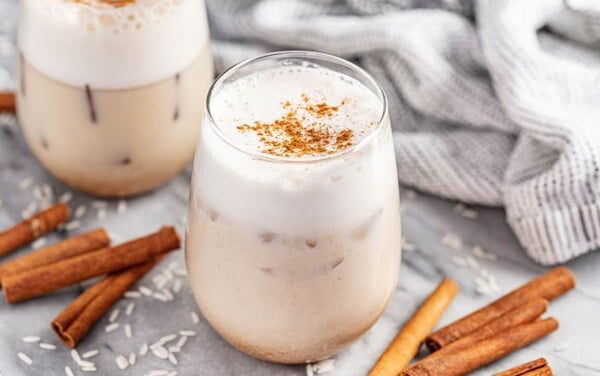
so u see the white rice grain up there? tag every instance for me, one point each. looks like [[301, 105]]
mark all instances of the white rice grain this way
[[114, 315], [31, 339], [26, 359], [177, 286], [128, 331], [73, 225], [47, 346], [25, 183], [39, 243], [68, 371], [323, 366], [122, 362], [75, 356], [132, 294], [130, 308], [145, 290], [195, 318], [160, 352], [111, 327], [80, 211], [90, 354], [66, 197], [143, 350]]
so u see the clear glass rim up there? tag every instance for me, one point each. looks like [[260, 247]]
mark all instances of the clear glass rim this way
[[299, 54]]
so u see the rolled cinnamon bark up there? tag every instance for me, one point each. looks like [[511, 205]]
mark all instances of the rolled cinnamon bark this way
[[72, 324], [7, 102], [461, 362], [46, 278], [548, 286], [31, 228], [406, 344], [74, 246], [538, 367], [520, 315]]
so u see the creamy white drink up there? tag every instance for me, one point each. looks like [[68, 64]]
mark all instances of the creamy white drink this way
[[110, 91], [293, 242]]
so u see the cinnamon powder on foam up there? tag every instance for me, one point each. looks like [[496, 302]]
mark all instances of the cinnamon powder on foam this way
[[114, 3], [301, 131]]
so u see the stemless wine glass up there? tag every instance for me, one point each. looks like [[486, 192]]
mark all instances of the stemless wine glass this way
[[108, 91], [291, 259]]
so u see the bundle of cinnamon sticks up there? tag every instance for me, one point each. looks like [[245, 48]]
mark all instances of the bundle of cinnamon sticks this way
[[74, 260], [492, 332]]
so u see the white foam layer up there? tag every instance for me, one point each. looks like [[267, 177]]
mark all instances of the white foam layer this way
[[260, 95], [299, 198], [105, 47]]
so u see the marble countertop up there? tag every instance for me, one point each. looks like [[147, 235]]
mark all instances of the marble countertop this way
[[426, 260]]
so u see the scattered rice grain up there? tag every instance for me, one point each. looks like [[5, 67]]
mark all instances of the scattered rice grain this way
[[25, 358], [122, 362], [66, 197], [111, 327], [177, 286], [25, 183], [132, 294], [80, 211], [128, 331], [31, 339], [130, 308], [47, 346], [160, 352], [68, 371], [114, 315], [75, 356], [452, 240], [73, 225], [323, 366], [145, 290], [90, 354]]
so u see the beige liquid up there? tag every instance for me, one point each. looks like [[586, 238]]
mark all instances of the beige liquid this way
[[114, 142], [292, 300]]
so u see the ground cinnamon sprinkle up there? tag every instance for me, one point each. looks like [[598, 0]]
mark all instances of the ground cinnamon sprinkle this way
[[301, 132], [114, 3]]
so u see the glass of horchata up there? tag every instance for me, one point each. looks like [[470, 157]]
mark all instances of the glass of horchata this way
[[293, 238], [109, 91]]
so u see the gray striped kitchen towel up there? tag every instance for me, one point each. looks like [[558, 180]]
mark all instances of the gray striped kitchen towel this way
[[493, 102]]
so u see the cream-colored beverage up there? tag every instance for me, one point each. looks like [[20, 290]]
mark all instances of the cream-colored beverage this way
[[109, 91], [293, 239]]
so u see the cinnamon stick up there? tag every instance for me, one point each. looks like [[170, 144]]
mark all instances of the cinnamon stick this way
[[72, 324], [538, 367], [7, 102], [31, 228], [406, 344], [520, 315], [463, 361], [548, 286], [76, 245], [46, 278]]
